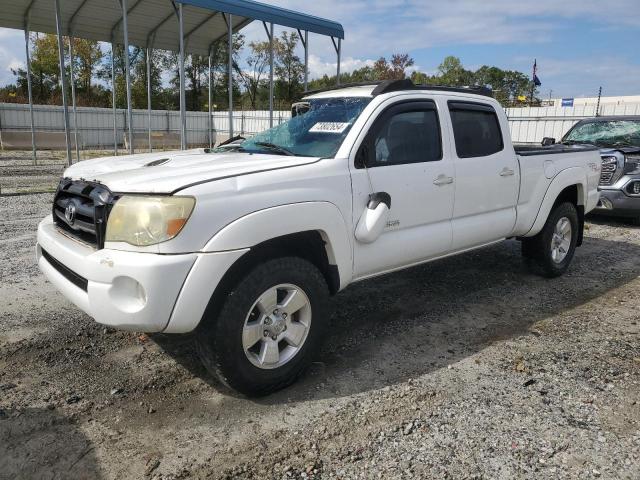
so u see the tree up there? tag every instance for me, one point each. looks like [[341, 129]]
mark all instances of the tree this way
[[253, 79], [452, 73], [289, 69]]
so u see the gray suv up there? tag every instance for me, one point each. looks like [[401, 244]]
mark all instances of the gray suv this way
[[619, 141]]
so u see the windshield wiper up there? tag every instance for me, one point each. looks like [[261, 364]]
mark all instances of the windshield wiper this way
[[275, 148]]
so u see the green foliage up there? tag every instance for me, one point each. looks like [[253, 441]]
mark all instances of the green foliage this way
[[507, 85], [92, 68]]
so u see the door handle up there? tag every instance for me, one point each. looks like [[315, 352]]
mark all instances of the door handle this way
[[443, 180], [507, 172]]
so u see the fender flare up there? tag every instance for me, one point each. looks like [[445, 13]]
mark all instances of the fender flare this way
[[262, 225], [566, 178]]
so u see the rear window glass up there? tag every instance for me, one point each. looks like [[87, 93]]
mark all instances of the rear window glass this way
[[476, 130]]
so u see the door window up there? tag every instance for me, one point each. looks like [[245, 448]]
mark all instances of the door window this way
[[411, 135], [476, 129]]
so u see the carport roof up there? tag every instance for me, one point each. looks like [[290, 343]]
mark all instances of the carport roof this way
[[155, 20]]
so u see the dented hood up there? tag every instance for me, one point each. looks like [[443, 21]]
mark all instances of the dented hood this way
[[167, 172]]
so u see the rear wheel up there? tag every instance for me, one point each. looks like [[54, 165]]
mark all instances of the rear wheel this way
[[552, 250], [269, 328]]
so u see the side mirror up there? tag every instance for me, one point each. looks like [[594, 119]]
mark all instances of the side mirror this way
[[548, 141], [374, 218]]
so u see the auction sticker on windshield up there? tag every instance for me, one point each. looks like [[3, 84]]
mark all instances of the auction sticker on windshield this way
[[329, 127]]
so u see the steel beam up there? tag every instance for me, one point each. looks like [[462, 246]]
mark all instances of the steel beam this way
[[200, 25], [113, 99], [30, 93], [339, 54], [306, 60], [148, 58], [73, 98], [125, 32], [230, 72], [183, 100], [63, 79], [210, 101], [126, 11], [270, 35]]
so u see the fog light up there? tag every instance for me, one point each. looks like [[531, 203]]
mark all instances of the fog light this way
[[636, 188], [127, 294]]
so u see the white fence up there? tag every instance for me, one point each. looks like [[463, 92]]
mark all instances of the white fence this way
[[95, 125], [532, 124]]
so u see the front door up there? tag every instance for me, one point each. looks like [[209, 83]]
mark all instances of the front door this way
[[406, 158]]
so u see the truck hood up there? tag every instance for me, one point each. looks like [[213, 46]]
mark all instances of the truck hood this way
[[167, 172], [625, 150]]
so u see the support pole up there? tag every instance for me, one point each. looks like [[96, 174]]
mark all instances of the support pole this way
[[148, 58], [113, 99], [63, 80], [125, 30], [30, 93], [183, 100], [339, 57], [306, 60], [270, 35], [73, 98], [210, 101], [230, 73]]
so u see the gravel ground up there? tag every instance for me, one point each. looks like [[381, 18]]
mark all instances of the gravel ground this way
[[469, 367], [19, 175]]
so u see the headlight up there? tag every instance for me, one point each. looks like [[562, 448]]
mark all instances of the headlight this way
[[145, 220], [632, 164]]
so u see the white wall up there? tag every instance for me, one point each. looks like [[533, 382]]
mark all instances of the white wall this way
[[95, 125], [532, 124]]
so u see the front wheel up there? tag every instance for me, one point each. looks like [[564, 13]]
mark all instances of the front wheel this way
[[269, 328], [554, 247]]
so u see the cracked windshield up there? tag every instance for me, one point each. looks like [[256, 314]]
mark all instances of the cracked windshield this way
[[607, 133], [318, 132]]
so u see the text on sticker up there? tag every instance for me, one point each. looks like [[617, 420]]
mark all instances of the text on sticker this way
[[329, 127]]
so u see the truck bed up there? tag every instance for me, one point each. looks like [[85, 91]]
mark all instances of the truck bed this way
[[529, 150]]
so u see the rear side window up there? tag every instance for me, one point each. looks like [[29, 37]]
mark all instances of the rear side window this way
[[476, 129]]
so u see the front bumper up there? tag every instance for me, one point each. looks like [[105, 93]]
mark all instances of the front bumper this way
[[616, 201], [143, 292]]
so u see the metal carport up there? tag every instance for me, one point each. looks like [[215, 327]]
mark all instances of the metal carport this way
[[182, 26]]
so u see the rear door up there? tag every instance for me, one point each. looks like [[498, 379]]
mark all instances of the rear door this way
[[487, 175], [407, 158]]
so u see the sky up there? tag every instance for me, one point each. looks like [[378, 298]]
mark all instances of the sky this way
[[579, 45]]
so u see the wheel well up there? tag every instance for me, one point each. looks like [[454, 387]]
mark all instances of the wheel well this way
[[308, 245], [571, 194]]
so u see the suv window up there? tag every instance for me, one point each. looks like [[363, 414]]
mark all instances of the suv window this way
[[406, 134], [476, 129]]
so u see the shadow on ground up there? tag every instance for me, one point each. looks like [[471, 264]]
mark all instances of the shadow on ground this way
[[407, 324], [41, 444], [608, 220]]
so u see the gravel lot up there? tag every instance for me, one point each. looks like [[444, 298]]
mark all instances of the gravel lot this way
[[470, 367]]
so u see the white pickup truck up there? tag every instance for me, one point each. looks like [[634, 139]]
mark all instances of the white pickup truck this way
[[242, 246]]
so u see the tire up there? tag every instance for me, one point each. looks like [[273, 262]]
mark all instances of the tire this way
[[546, 251], [252, 311]]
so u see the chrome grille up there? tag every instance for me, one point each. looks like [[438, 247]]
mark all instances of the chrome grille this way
[[80, 210], [608, 172]]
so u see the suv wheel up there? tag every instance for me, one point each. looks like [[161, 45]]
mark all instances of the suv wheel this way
[[269, 328], [554, 247]]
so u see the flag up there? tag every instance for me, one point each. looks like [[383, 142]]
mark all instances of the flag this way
[[536, 80]]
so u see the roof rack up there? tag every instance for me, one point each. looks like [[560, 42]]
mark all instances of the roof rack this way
[[341, 86], [387, 86]]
